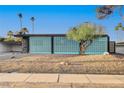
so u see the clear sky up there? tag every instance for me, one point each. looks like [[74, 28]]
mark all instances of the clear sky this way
[[55, 19]]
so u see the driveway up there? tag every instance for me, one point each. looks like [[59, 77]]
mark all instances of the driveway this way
[[5, 56]]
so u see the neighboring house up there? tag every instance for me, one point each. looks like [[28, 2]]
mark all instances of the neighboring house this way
[[59, 44], [6, 47], [120, 47]]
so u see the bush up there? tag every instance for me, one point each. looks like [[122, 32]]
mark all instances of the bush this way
[[9, 40], [2, 39], [18, 39]]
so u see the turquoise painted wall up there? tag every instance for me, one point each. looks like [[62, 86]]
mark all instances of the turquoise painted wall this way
[[40, 45], [98, 46], [64, 46], [61, 45]]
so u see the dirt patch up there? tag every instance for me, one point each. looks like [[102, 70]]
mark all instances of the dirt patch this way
[[49, 67], [88, 64], [69, 58]]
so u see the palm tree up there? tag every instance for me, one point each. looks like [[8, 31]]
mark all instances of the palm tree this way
[[32, 20], [20, 17]]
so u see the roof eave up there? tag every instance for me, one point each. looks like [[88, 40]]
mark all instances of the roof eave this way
[[28, 35]]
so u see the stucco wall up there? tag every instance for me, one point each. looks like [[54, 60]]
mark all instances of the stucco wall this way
[[4, 48], [16, 48], [8, 48], [120, 49]]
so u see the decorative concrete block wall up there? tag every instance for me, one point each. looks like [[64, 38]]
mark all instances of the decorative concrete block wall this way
[[61, 45]]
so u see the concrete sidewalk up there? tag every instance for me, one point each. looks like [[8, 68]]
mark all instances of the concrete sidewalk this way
[[60, 80]]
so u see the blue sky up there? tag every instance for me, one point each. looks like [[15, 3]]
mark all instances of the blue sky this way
[[55, 19]]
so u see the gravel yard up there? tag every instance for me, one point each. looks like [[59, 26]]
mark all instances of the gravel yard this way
[[68, 58], [80, 64]]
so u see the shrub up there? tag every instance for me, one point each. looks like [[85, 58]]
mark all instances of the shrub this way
[[2, 39]]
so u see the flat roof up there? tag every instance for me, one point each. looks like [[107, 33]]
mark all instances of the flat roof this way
[[120, 44], [28, 35]]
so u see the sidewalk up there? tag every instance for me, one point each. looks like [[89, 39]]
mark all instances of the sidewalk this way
[[60, 80]]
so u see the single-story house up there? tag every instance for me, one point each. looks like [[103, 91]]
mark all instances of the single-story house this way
[[120, 47], [59, 44]]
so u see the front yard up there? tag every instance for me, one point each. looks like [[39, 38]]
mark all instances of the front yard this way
[[80, 64]]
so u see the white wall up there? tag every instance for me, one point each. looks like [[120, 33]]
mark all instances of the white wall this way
[[120, 49]]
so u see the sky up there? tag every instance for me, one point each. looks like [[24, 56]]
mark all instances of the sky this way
[[52, 19]]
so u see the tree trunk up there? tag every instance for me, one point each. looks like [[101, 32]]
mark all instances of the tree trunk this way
[[82, 48], [84, 45]]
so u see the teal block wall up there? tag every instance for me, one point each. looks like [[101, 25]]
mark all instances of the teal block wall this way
[[61, 45], [98, 46], [64, 46], [40, 45]]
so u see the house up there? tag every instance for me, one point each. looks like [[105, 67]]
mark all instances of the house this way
[[120, 47], [59, 44]]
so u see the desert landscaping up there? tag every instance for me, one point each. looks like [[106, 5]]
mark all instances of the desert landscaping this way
[[79, 64]]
